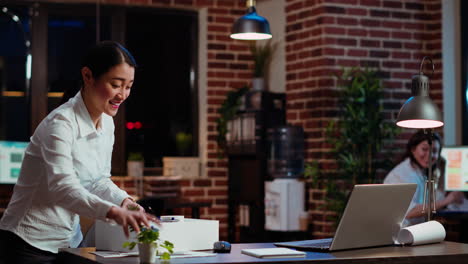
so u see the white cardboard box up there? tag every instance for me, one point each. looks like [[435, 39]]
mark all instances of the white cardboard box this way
[[187, 167], [187, 234]]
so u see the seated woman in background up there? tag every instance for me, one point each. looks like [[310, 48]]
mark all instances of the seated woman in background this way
[[414, 169]]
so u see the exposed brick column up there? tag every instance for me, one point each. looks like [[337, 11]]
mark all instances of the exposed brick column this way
[[324, 36]]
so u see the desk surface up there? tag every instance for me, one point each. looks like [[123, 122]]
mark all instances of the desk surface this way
[[445, 252]]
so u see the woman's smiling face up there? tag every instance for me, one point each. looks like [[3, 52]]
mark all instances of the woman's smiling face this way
[[110, 90], [421, 153]]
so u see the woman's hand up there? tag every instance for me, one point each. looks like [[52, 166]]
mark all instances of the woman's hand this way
[[131, 205], [127, 218], [455, 197]]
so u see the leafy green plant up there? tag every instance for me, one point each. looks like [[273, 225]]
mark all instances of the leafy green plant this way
[[151, 236], [262, 56], [356, 138], [227, 111], [135, 156], [183, 143]]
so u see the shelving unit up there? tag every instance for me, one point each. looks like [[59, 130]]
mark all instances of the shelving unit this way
[[247, 154]]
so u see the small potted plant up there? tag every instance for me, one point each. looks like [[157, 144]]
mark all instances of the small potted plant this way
[[135, 164], [262, 56], [148, 245]]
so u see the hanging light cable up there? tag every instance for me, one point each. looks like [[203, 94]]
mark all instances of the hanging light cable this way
[[251, 26]]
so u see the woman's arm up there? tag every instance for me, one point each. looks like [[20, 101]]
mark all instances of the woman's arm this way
[[453, 197]]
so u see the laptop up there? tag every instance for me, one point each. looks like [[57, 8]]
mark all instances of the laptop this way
[[372, 217]]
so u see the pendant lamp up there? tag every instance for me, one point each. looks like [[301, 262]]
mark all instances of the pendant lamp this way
[[251, 26]]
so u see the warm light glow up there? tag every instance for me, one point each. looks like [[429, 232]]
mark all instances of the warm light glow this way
[[420, 123], [55, 94], [12, 93], [251, 36]]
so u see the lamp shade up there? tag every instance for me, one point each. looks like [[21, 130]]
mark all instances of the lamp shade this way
[[419, 111], [251, 26]]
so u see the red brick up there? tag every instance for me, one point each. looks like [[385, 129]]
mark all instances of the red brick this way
[[357, 11], [217, 173], [392, 4], [370, 22], [347, 21], [357, 53], [193, 193], [183, 2], [202, 3], [357, 32], [401, 55], [379, 34], [401, 34], [370, 2], [392, 24], [165, 2], [214, 192], [293, 7]]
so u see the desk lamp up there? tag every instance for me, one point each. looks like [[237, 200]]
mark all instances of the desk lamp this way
[[251, 26], [420, 112]]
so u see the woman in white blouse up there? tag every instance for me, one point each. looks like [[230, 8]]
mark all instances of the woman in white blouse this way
[[66, 167], [413, 169]]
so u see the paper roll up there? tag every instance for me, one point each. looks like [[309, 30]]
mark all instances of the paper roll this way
[[425, 233]]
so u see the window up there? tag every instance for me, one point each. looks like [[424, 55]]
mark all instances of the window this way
[[163, 102], [164, 96], [14, 73]]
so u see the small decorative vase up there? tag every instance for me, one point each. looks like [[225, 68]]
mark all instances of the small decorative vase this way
[[147, 253], [258, 84]]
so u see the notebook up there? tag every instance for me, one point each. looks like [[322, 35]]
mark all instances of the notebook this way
[[372, 217], [273, 253]]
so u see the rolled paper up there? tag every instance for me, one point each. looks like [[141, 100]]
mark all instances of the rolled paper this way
[[424, 233]]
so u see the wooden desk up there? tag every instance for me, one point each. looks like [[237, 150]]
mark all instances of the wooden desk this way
[[445, 252]]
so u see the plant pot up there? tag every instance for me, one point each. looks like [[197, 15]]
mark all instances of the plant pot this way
[[258, 84], [147, 253], [135, 168]]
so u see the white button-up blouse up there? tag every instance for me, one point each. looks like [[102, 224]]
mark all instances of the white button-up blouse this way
[[65, 173]]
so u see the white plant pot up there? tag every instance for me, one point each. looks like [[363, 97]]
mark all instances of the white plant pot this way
[[258, 84], [135, 168], [147, 253]]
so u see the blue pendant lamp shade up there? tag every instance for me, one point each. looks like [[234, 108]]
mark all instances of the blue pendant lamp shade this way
[[419, 111], [251, 26]]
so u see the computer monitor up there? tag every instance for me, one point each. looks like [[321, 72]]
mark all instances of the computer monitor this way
[[11, 156], [456, 168]]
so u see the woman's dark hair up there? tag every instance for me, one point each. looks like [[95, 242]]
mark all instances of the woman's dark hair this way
[[417, 138], [100, 59]]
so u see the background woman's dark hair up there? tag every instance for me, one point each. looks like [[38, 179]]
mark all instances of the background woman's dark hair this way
[[100, 59], [417, 138]]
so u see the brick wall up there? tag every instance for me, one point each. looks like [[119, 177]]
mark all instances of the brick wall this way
[[228, 63], [323, 36]]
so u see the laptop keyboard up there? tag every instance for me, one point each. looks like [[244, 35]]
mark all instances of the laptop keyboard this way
[[322, 244]]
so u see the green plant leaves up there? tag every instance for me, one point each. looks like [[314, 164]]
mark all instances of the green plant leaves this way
[[151, 236], [227, 111], [356, 137]]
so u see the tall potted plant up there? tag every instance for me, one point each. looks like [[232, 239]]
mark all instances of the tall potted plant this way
[[262, 56], [356, 137]]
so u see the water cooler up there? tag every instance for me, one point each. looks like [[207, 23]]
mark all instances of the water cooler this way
[[284, 192]]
